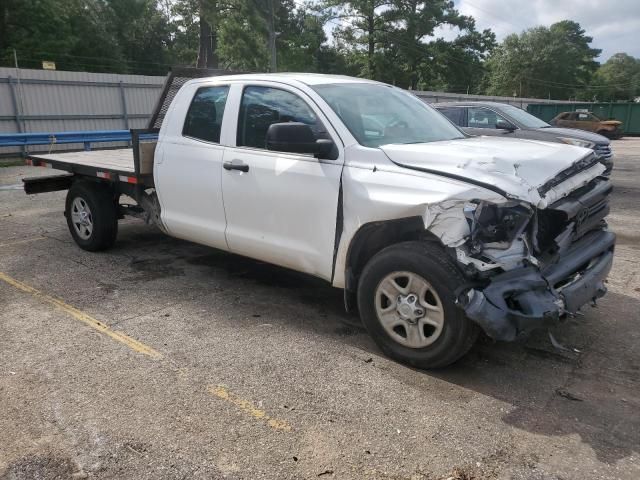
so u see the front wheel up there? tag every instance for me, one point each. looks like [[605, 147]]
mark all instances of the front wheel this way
[[406, 298], [92, 215]]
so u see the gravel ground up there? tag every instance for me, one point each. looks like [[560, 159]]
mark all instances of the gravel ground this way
[[249, 371]]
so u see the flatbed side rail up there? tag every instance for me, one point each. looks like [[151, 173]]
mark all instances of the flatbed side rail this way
[[87, 138]]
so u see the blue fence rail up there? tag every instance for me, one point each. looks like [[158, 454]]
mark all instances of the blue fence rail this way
[[87, 138]]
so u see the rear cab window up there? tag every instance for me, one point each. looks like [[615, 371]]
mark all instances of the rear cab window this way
[[204, 117]]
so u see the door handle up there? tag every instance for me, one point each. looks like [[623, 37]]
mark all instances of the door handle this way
[[236, 165]]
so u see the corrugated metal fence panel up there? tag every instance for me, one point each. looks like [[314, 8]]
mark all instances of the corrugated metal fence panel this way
[[56, 101], [627, 113]]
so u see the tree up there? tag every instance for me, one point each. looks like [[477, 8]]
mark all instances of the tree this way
[[207, 44], [617, 79], [397, 39], [36, 30], [96, 35], [228, 34], [185, 32], [555, 61], [141, 31], [302, 43], [427, 61], [360, 23]]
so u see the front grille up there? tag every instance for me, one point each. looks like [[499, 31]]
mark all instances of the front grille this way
[[584, 209], [603, 151], [579, 166]]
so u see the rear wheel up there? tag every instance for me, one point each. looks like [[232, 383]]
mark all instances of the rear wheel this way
[[91, 211], [406, 297]]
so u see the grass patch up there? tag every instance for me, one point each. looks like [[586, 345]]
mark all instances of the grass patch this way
[[11, 162]]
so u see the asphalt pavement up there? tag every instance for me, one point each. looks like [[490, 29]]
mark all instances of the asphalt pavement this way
[[162, 359]]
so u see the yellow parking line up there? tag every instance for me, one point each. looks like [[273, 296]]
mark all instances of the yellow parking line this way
[[247, 407], [132, 343], [18, 242]]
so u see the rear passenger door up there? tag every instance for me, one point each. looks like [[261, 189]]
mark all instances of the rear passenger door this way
[[188, 165], [283, 207], [568, 121], [587, 121]]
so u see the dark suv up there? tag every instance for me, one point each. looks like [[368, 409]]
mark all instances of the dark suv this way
[[501, 119]]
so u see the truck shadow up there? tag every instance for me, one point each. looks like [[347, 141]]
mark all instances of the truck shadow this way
[[592, 392]]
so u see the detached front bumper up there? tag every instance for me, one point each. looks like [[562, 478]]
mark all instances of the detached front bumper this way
[[521, 300]]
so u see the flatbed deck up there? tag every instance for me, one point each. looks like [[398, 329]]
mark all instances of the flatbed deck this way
[[116, 165], [119, 160]]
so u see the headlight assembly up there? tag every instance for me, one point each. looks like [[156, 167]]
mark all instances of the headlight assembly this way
[[577, 142], [496, 225]]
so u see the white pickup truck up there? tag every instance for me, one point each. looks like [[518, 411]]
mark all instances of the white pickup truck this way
[[431, 234]]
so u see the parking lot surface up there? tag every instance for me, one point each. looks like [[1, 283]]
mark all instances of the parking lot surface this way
[[164, 359]]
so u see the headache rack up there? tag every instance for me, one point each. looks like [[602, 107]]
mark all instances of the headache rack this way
[[176, 78]]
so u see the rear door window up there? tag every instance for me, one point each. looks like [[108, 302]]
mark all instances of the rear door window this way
[[480, 117], [204, 117], [454, 114]]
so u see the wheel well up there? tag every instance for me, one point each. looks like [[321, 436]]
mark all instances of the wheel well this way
[[372, 237], [94, 183]]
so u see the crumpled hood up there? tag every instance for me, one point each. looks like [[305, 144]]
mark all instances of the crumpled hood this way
[[517, 167], [614, 123]]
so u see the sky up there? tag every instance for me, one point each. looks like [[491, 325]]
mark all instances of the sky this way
[[613, 24]]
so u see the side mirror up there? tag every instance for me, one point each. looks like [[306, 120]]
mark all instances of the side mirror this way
[[297, 137], [502, 124]]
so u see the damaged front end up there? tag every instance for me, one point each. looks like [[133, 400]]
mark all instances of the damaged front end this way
[[529, 267]]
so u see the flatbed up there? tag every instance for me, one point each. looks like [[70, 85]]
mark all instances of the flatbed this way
[[106, 164]]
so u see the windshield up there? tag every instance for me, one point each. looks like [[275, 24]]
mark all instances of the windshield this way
[[379, 114], [525, 119]]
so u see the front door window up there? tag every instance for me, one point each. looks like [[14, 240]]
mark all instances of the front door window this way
[[263, 106]]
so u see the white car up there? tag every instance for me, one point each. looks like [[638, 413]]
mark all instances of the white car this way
[[433, 236]]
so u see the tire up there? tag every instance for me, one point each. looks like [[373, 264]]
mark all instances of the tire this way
[[606, 133], [433, 346], [95, 229]]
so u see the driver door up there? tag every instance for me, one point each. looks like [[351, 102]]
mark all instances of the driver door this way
[[280, 207]]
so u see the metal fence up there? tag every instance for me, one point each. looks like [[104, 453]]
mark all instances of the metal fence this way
[[627, 113], [55, 101]]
